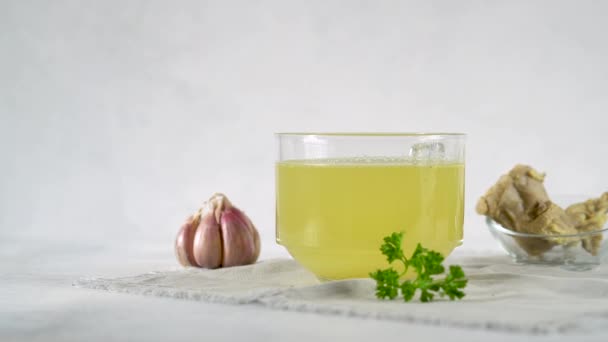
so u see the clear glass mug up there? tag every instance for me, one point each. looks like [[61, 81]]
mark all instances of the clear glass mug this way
[[339, 194]]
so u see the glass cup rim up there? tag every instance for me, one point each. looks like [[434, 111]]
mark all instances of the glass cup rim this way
[[373, 134]]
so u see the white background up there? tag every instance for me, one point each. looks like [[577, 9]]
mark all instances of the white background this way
[[118, 118]]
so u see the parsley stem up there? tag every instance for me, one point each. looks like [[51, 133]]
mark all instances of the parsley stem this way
[[406, 265]]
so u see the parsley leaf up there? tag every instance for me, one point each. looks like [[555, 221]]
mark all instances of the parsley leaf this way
[[426, 263], [387, 283], [391, 247]]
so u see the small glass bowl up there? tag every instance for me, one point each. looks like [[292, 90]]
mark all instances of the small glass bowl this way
[[567, 251]]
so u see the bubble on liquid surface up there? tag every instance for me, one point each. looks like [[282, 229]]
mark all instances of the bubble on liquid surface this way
[[427, 151], [355, 161]]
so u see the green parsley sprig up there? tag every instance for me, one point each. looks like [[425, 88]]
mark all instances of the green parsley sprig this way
[[426, 263]]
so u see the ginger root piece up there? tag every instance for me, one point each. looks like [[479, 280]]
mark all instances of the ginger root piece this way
[[519, 201], [589, 216], [534, 246], [550, 219]]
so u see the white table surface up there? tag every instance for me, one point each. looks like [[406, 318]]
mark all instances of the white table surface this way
[[38, 303]]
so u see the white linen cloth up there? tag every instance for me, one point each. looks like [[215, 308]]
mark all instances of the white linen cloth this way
[[500, 295]]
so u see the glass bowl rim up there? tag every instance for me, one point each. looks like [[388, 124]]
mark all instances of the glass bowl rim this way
[[373, 134], [493, 225]]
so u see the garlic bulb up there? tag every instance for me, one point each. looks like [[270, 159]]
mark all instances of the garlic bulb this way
[[218, 235]]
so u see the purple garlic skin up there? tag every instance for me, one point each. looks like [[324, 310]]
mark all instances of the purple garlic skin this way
[[218, 235]]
